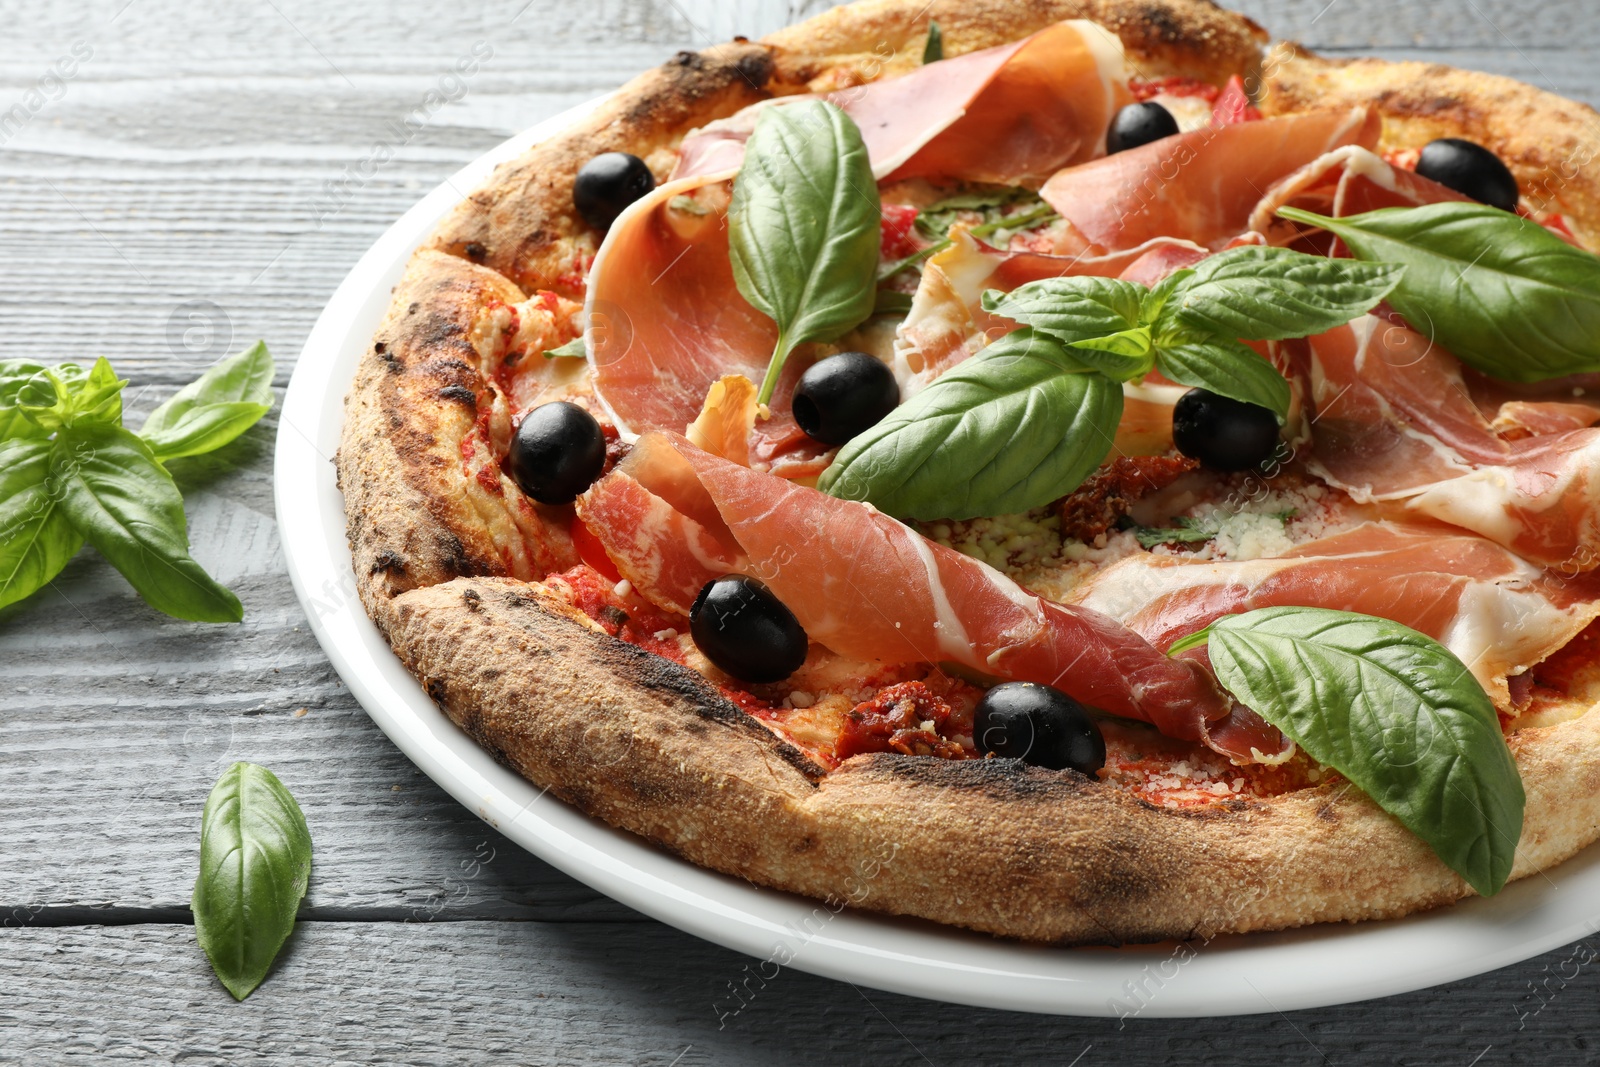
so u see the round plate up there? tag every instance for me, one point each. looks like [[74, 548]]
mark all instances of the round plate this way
[[1226, 976]]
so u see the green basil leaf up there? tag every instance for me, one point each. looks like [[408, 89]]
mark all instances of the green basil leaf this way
[[934, 221], [36, 540], [1018, 425], [255, 862], [573, 349], [1393, 711], [803, 226], [215, 408], [67, 395], [933, 51], [1500, 292], [14, 423], [1229, 368], [1125, 356], [1155, 300], [891, 302], [1071, 308], [113, 490], [1258, 293]]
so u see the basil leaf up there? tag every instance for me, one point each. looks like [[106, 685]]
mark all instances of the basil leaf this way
[[14, 374], [215, 408], [803, 226], [573, 349], [67, 395], [933, 51], [1071, 308], [255, 862], [1257, 293], [1125, 355], [1393, 711], [112, 489], [1227, 367], [36, 540], [1018, 425], [1500, 292]]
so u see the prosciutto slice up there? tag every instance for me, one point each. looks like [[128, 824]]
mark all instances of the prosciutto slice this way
[[1013, 114], [1200, 186], [1346, 181], [1395, 420], [867, 586], [1496, 612]]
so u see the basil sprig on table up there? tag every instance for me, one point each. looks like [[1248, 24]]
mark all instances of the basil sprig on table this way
[[1498, 291], [804, 226], [255, 862], [991, 436], [70, 472], [1393, 711]]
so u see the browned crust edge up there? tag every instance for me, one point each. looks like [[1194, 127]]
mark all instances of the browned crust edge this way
[[649, 746]]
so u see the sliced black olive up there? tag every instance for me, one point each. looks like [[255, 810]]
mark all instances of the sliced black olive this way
[[607, 184], [1222, 433], [1040, 725], [558, 451], [747, 631], [1471, 170], [843, 395], [1139, 124]]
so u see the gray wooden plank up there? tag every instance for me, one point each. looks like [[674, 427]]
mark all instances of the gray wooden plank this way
[[604, 993]]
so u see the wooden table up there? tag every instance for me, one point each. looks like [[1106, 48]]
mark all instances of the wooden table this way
[[203, 180]]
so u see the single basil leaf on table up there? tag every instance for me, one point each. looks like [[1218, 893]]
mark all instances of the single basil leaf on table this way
[[933, 51], [1229, 368], [67, 395], [14, 374], [36, 539], [255, 862], [1258, 293], [804, 226], [1019, 424], [1499, 292], [215, 408], [113, 490], [1393, 711]]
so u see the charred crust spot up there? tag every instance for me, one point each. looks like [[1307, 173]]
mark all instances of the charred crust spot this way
[[380, 347], [412, 309], [1326, 813], [1159, 23], [473, 601], [435, 687], [476, 252], [688, 59], [1006, 780], [388, 562], [460, 394], [456, 560], [614, 615], [756, 68]]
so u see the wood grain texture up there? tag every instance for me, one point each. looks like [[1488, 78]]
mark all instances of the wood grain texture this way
[[201, 181]]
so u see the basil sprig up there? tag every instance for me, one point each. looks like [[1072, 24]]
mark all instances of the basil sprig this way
[[803, 227], [255, 862], [998, 434], [1393, 711], [70, 472], [973, 446], [1500, 292]]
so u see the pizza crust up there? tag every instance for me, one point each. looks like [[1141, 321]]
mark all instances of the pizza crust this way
[[445, 562]]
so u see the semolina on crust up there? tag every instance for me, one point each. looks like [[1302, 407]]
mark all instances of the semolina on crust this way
[[448, 563]]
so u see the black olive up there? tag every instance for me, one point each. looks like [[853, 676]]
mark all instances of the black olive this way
[[1471, 170], [746, 631], [1139, 124], [1040, 725], [843, 395], [1222, 433], [607, 184], [558, 451]]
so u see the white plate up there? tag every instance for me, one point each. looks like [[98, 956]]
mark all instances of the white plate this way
[[1229, 976]]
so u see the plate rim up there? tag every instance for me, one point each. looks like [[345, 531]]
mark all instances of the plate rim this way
[[1224, 976]]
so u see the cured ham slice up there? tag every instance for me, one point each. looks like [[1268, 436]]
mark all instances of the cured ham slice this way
[[1346, 181], [1394, 420], [869, 587], [1013, 114], [1496, 612], [1200, 186]]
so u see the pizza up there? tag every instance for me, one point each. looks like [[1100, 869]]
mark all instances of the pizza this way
[[1022, 466]]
